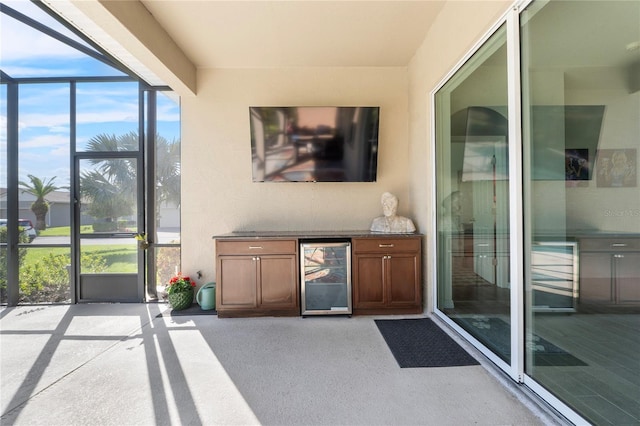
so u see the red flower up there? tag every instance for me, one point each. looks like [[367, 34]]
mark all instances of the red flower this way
[[180, 283]]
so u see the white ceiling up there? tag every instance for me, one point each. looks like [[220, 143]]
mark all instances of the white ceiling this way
[[323, 33], [231, 34]]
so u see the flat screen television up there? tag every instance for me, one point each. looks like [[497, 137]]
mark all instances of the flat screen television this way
[[314, 144]]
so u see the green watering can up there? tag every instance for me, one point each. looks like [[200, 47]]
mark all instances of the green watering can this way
[[206, 297]]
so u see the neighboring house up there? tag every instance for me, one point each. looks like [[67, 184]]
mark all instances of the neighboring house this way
[[59, 205], [60, 215]]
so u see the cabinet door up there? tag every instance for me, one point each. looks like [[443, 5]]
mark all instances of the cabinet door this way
[[627, 277], [595, 278], [238, 273], [368, 282], [403, 287], [278, 281]]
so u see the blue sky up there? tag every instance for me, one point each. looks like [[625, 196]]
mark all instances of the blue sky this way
[[44, 124]]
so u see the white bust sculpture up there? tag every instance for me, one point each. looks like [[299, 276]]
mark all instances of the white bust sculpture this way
[[390, 222], [452, 213]]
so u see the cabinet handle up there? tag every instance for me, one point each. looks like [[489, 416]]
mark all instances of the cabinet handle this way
[[255, 247], [618, 256], [385, 245], [618, 245], [256, 258]]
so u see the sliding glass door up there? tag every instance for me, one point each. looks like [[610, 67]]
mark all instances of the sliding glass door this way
[[472, 194], [581, 137], [538, 232]]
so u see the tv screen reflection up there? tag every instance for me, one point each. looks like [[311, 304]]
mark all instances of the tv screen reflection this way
[[314, 144]]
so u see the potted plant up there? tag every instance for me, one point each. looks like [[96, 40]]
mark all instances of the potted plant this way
[[180, 292], [143, 242]]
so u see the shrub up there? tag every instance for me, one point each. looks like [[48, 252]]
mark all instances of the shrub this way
[[105, 226], [23, 238], [168, 263], [47, 280]]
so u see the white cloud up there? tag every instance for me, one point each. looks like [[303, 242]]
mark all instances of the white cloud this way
[[48, 120], [44, 141], [61, 152], [59, 122], [168, 113], [59, 129], [31, 71], [44, 97], [21, 42], [107, 117], [108, 90]]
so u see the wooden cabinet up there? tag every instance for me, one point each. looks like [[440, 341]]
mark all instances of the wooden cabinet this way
[[387, 275], [626, 272], [257, 277], [258, 274], [610, 271]]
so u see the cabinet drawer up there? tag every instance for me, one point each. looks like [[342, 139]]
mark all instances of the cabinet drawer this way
[[385, 245], [609, 244], [256, 247]]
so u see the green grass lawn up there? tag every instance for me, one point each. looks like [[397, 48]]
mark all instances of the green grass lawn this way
[[119, 257], [64, 231]]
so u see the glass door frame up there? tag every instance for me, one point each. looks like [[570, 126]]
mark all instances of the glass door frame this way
[[76, 230], [519, 176], [145, 208], [516, 367]]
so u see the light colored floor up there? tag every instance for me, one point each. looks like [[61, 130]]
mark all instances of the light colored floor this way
[[103, 364]]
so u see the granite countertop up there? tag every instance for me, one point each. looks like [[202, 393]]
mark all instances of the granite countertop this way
[[311, 234], [581, 234]]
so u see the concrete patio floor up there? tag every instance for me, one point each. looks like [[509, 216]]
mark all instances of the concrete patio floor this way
[[121, 364]]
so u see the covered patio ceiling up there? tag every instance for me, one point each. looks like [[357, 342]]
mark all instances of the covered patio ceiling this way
[[166, 42]]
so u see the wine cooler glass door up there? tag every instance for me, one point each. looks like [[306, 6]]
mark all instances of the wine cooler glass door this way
[[326, 278]]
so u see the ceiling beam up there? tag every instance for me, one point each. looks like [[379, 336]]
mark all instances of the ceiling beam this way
[[130, 33]]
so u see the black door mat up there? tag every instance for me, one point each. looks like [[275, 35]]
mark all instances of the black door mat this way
[[421, 343], [194, 309]]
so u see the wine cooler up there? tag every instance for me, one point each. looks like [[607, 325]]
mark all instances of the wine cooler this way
[[326, 278]]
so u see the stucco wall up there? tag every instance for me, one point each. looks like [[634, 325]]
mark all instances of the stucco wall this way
[[218, 193], [217, 156]]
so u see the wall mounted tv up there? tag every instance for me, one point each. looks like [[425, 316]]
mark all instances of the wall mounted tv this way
[[314, 144]]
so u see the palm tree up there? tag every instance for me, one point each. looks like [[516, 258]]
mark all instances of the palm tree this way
[[167, 171], [39, 188], [110, 187]]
